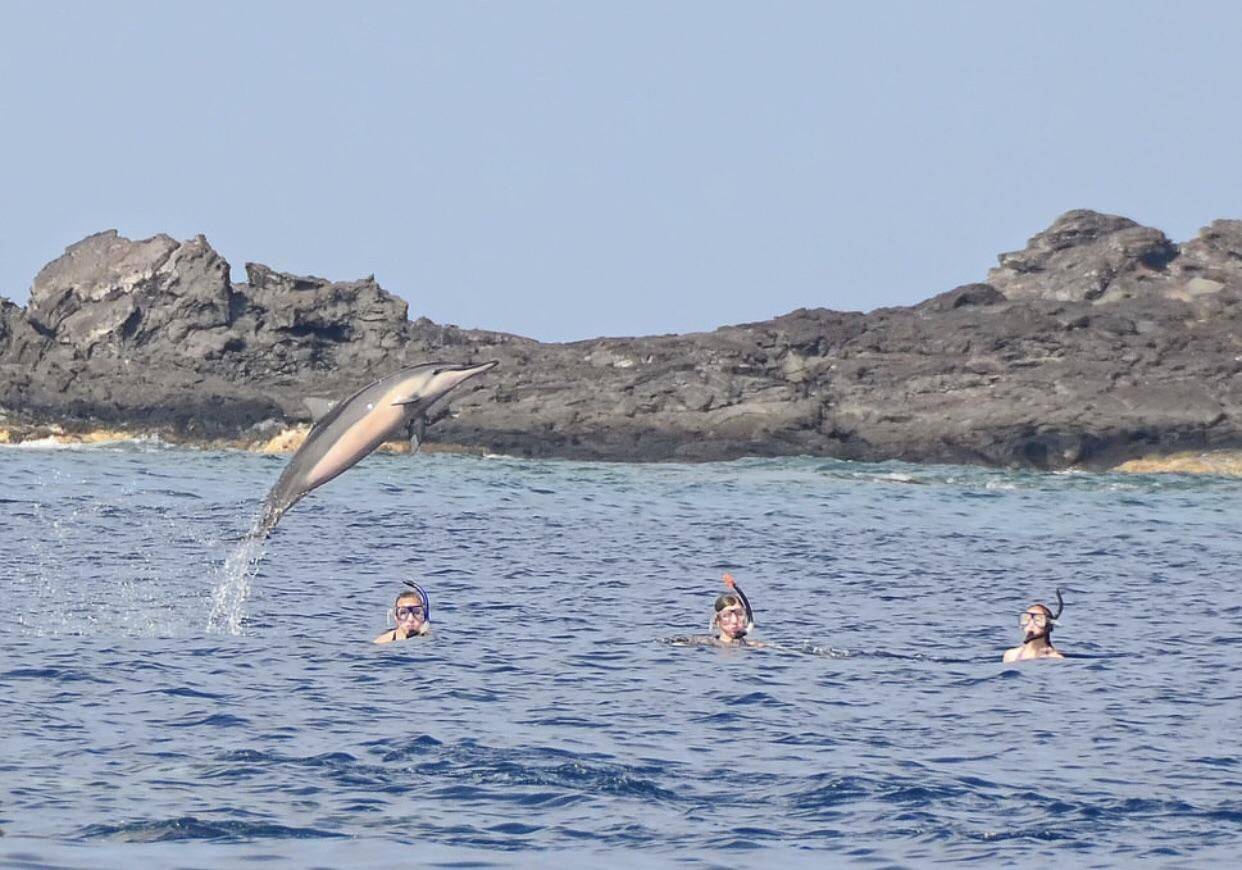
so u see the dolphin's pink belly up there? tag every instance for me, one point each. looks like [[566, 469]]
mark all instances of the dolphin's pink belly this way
[[359, 440]]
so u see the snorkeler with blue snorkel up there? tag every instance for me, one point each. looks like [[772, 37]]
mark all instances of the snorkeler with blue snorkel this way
[[412, 612]]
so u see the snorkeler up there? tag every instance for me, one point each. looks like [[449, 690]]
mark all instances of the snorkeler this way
[[1037, 623], [412, 611], [734, 618]]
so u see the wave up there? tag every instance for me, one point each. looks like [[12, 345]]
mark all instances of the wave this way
[[193, 828], [477, 764]]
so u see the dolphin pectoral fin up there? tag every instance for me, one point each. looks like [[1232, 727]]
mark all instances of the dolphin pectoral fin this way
[[418, 431], [319, 408]]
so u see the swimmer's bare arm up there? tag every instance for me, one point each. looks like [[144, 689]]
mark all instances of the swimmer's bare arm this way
[[400, 634], [741, 641], [1011, 655]]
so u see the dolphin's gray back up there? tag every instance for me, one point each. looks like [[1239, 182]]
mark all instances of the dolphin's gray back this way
[[336, 442], [290, 487]]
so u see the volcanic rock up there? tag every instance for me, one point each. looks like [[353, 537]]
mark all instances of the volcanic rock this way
[[1100, 341]]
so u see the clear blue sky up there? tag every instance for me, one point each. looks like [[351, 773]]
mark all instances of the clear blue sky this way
[[571, 169]]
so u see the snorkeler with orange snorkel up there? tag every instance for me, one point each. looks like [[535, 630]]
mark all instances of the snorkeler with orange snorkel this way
[[734, 618]]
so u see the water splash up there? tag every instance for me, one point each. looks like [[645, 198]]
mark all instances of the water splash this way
[[229, 597], [130, 557]]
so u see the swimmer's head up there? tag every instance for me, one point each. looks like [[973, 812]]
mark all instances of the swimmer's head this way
[[1038, 620], [732, 619], [412, 609]]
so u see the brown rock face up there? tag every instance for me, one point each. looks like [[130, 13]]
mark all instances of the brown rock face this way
[[1082, 257], [108, 294], [1102, 340], [306, 323]]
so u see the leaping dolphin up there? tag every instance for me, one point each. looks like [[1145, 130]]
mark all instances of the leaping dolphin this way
[[353, 428]]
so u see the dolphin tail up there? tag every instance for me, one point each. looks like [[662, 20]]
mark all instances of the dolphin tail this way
[[266, 521]]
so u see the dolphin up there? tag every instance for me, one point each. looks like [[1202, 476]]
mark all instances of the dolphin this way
[[351, 429]]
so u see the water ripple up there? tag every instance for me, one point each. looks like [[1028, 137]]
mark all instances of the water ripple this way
[[553, 716]]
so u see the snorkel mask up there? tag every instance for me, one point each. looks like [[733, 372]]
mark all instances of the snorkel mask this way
[[1051, 617], [727, 599], [422, 594]]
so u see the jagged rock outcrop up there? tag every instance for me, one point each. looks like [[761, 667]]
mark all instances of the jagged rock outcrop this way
[[1100, 341], [1085, 257]]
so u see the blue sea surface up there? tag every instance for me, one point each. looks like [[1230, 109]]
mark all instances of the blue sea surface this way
[[548, 720]]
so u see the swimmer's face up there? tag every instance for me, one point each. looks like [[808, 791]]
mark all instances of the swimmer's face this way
[[1034, 621], [732, 621], [410, 614]]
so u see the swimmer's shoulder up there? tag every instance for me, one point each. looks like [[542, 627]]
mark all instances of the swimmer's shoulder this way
[[711, 640], [391, 635], [692, 640], [1015, 655]]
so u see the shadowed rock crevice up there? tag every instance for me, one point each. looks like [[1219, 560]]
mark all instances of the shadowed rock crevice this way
[[1100, 341]]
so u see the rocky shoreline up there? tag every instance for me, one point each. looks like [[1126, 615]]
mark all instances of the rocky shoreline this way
[[1100, 343], [1220, 463]]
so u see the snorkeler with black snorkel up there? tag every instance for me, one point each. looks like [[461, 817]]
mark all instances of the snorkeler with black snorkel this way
[[412, 612], [1037, 622], [734, 618]]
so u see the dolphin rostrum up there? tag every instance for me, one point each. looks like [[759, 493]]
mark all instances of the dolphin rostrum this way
[[354, 427]]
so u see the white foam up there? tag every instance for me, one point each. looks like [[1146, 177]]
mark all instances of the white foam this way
[[60, 442], [233, 590], [51, 442]]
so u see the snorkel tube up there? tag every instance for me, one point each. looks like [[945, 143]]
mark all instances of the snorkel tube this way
[[1060, 607], [422, 594]]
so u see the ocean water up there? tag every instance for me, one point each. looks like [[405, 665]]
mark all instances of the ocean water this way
[[547, 721]]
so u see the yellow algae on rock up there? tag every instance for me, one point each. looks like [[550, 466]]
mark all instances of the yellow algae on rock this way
[[55, 434], [98, 436], [1223, 462], [287, 441]]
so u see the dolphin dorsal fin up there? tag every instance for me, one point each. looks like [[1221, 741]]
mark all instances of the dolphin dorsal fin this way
[[319, 408]]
